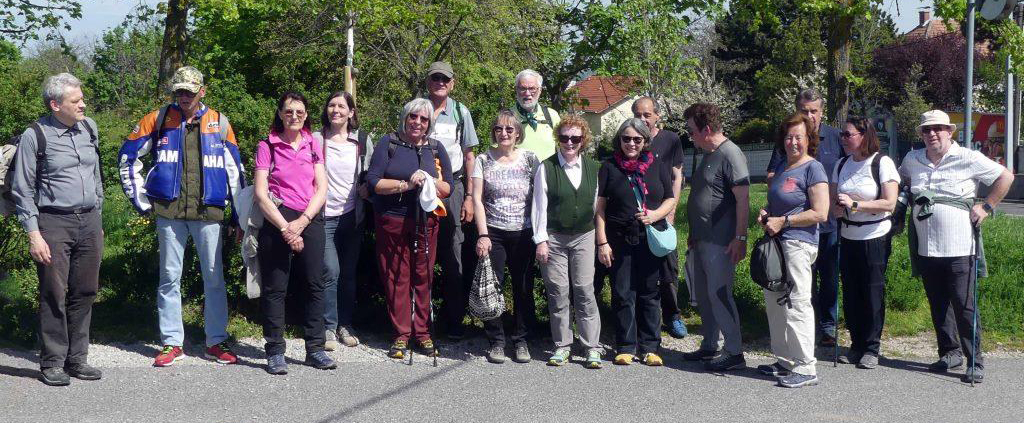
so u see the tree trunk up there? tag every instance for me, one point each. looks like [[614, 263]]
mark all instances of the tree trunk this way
[[172, 53], [839, 65]]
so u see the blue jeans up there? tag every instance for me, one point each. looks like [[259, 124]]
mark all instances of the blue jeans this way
[[825, 289], [173, 234], [341, 255]]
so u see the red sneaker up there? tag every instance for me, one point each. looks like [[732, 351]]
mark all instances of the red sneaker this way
[[221, 353], [167, 356]]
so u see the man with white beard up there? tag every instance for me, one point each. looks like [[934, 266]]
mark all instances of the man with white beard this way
[[538, 121]]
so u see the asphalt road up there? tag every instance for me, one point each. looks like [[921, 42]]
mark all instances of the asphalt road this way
[[369, 387]]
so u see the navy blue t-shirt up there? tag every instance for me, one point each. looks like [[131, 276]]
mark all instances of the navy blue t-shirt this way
[[790, 193], [400, 166]]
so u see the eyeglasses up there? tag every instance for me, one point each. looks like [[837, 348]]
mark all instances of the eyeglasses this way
[[796, 138], [846, 134], [294, 113], [532, 90], [505, 129], [933, 128], [184, 93], [440, 78], [570, 139], [416, 117], [631, 140]]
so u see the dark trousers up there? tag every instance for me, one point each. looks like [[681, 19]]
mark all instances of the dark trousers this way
[[636, 299], [449, 256], [406, 271], [275, 264], [669, 287], [949, 285], [67, 287], [514, 250], [825, 290], [863, 265]]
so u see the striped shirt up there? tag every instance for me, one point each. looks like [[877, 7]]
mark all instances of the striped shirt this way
[[947, 233]]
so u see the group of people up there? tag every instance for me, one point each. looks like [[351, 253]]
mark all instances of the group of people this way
[[535, 196]]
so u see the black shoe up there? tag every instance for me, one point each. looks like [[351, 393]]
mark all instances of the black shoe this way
[[852, 357], [83, 371], [774, 369], [827, 340], [726, 362], [320, 360], [699, 355], [54, 376], [974, 373], [947, 362], [427, 347]]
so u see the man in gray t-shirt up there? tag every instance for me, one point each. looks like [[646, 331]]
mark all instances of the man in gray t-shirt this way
[[719, 192]]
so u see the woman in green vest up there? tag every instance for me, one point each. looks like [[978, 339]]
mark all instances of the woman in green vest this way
[[632, 175], [502, 216], [564, 193]]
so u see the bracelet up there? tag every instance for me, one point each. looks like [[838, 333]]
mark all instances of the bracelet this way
[[602, 244], [484, 236], [307, 217]]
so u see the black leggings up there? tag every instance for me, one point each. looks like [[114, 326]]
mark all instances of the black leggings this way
[[516, 249]]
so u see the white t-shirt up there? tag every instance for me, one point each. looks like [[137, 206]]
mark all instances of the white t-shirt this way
[[857, 182], [342, 158]]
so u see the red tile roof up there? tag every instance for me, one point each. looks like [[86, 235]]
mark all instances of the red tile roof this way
[[936, 27], [596, 94]]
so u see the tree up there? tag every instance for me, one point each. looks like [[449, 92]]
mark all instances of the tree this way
[[23, 20], [172, 51]]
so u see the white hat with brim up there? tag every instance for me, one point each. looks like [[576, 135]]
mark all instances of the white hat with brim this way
[[935, 117]]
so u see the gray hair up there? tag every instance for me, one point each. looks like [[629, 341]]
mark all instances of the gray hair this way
[[416, 105], [530, 73], [56, 85], [507, 115], [639, 126], [807, 95], [657, 107]]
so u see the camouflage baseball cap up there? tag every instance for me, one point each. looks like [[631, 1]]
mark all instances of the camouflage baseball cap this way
[[187, 78]]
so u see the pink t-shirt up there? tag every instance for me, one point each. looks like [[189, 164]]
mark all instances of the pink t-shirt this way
[[292, 177]]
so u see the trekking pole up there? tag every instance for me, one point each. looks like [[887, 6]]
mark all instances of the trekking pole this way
[[974, 317], [839, 257], [412, 289]]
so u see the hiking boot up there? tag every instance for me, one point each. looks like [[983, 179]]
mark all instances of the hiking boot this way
[[398, 349], [593, 360], [560, 357], [83, 371], [496, 354], [797, 380], [652, 359], [54, 376], [624, 359], [699, 355], [222, 354], [168, 355], [347, 336], [276, 365], [320, 360], [330, 340], [726, 362], [947, 362], [522, 353], [974, 373], [427, 347], [774, 369], [868, 361], [851, 357], [678, 329]]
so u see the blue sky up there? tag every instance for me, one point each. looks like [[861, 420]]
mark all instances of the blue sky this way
[[99, 15]]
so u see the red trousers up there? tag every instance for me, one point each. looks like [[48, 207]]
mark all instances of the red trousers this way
[[396, 260]]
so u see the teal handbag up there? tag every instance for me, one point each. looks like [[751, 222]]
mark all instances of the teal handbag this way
[[660, 241]]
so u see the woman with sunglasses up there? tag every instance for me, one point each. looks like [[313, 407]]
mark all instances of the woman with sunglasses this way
[[290, 188], [634, 190], [565, 189], [501, 196], [863, 197], [409, 174]]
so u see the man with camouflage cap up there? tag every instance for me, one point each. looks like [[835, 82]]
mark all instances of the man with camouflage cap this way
[[196, 171]]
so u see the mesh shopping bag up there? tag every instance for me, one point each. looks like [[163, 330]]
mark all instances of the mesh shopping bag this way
[[486, 300]]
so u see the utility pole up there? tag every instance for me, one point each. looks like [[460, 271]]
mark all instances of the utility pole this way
[[969, 96], [350, 85]]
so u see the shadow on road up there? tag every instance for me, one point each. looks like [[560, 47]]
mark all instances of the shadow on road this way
[[19, 372], [346, 414]]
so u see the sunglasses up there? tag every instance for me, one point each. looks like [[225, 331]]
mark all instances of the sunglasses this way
[[570, 139], [505, 129], [416, 117], [631, 140], [294, 113], [439, 78], [933, 128], [846, 134]]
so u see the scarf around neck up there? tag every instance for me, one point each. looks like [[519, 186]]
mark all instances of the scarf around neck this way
[[635, 169], [529, 118]]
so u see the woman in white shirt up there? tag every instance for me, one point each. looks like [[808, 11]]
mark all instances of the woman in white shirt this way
[[347, 152], [863, 196]]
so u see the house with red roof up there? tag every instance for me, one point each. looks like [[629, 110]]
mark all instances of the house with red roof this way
[[603, 101]]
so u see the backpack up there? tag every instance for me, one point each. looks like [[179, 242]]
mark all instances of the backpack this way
[[899, 213], [768, 267], [8, 153]]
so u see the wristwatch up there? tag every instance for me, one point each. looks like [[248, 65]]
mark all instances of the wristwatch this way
[[786, 223], [854, 206], [988, 207], [741, 238]]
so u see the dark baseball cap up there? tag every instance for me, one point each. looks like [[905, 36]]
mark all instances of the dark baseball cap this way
[[442, 68]]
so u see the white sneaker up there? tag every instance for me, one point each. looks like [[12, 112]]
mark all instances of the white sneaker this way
[[347, 336], [330, 341]]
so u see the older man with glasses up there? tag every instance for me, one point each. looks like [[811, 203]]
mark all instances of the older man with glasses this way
[[538, 121]]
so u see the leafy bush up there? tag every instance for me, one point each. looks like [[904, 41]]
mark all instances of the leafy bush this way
[[754, 131]]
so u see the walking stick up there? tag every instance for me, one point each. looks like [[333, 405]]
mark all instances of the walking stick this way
[[839, 251], [974, 317]]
